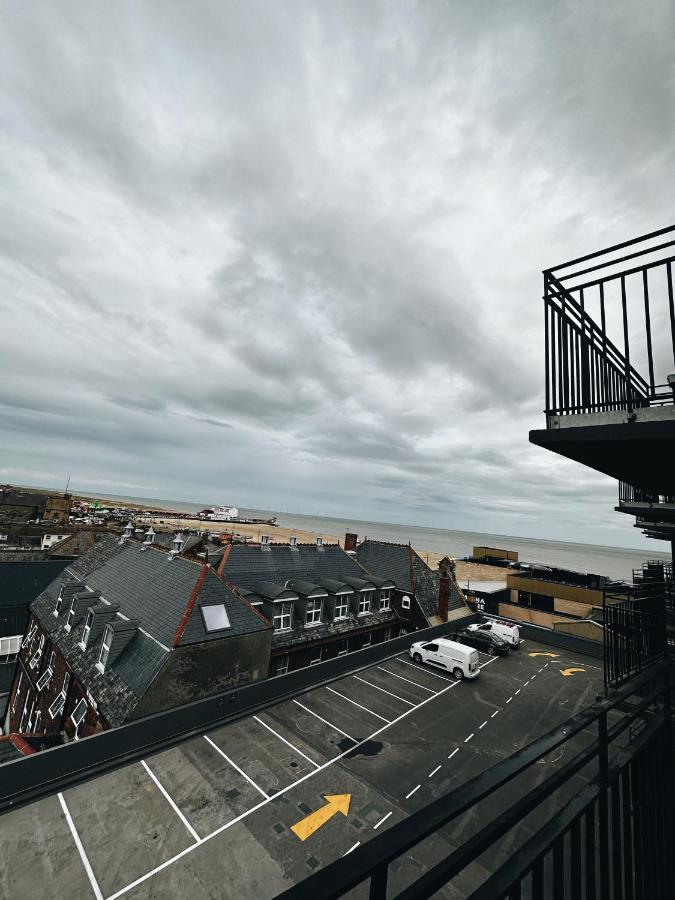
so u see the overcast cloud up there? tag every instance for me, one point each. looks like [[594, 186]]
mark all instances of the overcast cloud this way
[[288, 254]]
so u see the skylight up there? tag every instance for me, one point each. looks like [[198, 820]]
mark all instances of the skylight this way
[[215, 617]]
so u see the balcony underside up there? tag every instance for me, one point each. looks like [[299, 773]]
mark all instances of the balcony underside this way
[[649, 512], [639, 453]]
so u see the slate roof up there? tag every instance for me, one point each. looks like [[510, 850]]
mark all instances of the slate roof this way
[[409, 571], [162, 594]]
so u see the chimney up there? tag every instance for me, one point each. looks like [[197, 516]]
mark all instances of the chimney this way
[[350, 541], [443, 590]]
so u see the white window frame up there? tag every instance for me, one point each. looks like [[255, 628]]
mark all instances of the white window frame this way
[[343, 652], [44, 679], [314, 615], [341, 604], [405, 603], [368, 642], [25, 707], [315, 662], [386, 634], [37, 656], [365, 602], [59, 603], [70, 618], [106, 644], [78, 722], [281, 614], [18, 690], [60, 700], [38, 721], [30, 634], [282, 665], [86, 628], [9, 648], [385, 600]]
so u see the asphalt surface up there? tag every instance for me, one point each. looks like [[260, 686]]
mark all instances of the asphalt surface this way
[[214, 816]]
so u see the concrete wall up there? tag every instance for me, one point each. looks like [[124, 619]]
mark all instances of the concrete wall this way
[[570, 592], [584, 628]]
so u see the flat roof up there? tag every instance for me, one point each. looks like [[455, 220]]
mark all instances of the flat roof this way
[[483, 587], [215, 814]]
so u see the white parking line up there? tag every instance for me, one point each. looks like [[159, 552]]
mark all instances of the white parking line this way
[[483, 725], [170, 800], [364, 708], [542, 669], [325, 721], [408, 796], [431, 774], [383, 820], [83, 856], [420, 669], [494, 714], [466, 740], [525, 685], [357, 844], [282, 791], [377, 688], [235, 766], [509, 700], [408, 680], [288, 743], [456, 750], [517, 692]]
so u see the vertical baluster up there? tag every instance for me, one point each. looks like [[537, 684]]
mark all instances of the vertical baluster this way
[[590, 851], [671, 304], [648, 324], [575, 859], [538, 879], [559, 868], [617, 890], [626, 818], [626, 342], [603, 327]]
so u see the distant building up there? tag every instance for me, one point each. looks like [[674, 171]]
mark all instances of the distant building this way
[[22, 506], [127, 630]]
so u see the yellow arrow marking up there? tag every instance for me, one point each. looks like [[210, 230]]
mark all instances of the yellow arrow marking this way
[[538, 653], [567, 672], [335, 803]]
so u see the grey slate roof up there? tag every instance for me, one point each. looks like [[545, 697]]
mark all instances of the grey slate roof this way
[[154, 589]]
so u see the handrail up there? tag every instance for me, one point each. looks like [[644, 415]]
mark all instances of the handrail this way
[[630, 243]]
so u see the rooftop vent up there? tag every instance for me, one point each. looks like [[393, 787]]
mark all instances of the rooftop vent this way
[[319, 543], [177, 545], [128, 532], [265, 541], [293, 542], [149, 538]]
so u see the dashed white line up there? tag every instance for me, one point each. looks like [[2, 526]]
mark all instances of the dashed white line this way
[[288, 743], [378, 688], [525, 685], [417, 684], [453, 752], [533, 677], [509, 700], [542, 668], [408, 796], [483, 725], [357, 844], [325, 721], [494, 714], [517, 692], [364, 708], [467, 739], [83, 856], [383, 820], [431, 774], [170, 800], [235, 766]]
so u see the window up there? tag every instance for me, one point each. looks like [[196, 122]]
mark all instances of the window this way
[[106, 643], [38, 653], [341, 606], [281, 666], [52, 657], [37, 724], [215, 617], [17, 692], [9, 648], [385, 600], [87, 628], [367, 642], [60, 700], [29, 636], [44, 679], [316, 660], [364, 602], [25, 710], [78, 714], [343, 652], [405, 602], [59, 601], [313, 614], [386, 634], [283, 614], [71, 614]]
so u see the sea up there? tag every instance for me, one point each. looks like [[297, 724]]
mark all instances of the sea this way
[[616, 563]]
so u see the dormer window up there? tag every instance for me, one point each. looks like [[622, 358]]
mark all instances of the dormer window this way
[[313, 612], [283, 615], [341, 606], [364, 602], [71, 614], [59, 601], [87, 628], [106, 644], [385, 599]]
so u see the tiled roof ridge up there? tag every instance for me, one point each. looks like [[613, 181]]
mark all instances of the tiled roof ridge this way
[[199, 584], [411, 567], [240, 596], [368, 540], [223, 561]]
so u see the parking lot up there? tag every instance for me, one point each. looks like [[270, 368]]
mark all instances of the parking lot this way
[[242, 811]]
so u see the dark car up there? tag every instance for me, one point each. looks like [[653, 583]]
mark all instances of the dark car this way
[[482, 640]]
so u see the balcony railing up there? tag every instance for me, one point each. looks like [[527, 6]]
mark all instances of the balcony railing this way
[[610, 328], [630, 494]]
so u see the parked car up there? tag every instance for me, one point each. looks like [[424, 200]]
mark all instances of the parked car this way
[[445, 654], [505, 630], [483, 640]]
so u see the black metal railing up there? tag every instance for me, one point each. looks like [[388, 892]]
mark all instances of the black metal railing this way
[[610, 338], [630, 494], [611, 838]]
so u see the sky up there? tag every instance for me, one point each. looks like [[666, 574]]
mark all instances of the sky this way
[[288, 255]]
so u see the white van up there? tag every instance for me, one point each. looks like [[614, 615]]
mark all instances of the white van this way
[[504, 630], [462, 661]]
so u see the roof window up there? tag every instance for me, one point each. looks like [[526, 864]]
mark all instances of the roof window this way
[[215, 617]]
